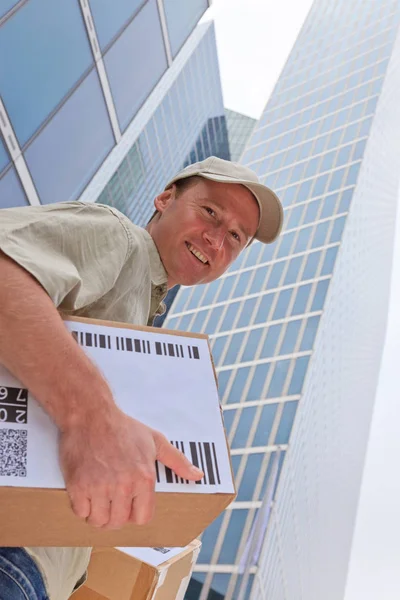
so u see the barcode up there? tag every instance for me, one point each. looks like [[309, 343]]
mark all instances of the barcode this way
[[202, 454], [162, 550], [127, 344], [13, 405], [13, 452]]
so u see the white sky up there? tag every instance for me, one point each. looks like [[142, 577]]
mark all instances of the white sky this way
[[254, 39]]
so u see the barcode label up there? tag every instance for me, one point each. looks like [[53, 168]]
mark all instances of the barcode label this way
[[127, 344], [13, 405], [202, 454]]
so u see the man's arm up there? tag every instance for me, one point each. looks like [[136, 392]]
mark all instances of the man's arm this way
[[105, 455]]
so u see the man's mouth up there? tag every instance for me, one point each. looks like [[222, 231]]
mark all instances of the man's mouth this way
[[197, 254]]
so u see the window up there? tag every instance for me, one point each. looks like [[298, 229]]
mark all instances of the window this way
[[223, 380], [320, 185], [299, 373], [282, 304], [329, 261], [242, 284], [185, 321], [4, 158], [199, 321], [197, 293], [290, 338], [275, 275], [305, 190], [344, 155], [234, 348], [303, 239], [208, 541], [42, 33], [244, 426], [230, 316], [320, 295], [218, 348], [238, 385], [11, 192], [327, 161], [284, 247], [286, 423], [311, 211], [73, 145], [329, 204], [228, 416], [336, 181], [258, 382], [142, 37], [278, 378], [345, 200], [353, 174], [295, 217], [264, 308], [265, 424], [246, 312], [250, 477], [211, 290], [268, 252], [307, 343], [300, 303], [337, 230], [214, 319], [233, 536], [311, 265], [258, 282], [359, 150], [312, 167], [271, 340], [252, 344], [293, 270], [252, 254], [320, 234]]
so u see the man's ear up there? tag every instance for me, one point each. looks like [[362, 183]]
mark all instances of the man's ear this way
[[163, 200]]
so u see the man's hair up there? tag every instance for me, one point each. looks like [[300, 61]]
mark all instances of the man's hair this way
[[181, 186]]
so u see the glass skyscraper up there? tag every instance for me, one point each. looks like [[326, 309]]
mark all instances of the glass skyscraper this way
[[240, 128], [86, 84], [297, 327]]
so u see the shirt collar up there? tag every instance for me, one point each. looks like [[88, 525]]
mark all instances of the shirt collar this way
[[158, 273]]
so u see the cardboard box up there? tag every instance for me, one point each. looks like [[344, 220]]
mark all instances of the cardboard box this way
[[163, 378], [129, 574]]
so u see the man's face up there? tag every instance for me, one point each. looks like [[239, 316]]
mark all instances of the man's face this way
[[200, 232]]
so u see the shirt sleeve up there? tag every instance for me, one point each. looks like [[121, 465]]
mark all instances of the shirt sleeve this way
[[74, 250]]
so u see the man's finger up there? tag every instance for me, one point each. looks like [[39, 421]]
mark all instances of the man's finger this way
[[80, 504], [143, 508], [175, 460], [121, 506], [100, 511]]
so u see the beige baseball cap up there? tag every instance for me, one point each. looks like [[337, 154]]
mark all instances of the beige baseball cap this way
[[217, 169]]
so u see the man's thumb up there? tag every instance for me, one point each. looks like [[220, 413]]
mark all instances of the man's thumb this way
[[174, 459]]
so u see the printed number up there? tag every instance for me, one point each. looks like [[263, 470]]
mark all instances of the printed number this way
[[3, 414], [4, 393], [21, 416], [19, 399]]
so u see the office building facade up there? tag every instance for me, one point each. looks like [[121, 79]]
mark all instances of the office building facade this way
[[297, 327], [81, 82]]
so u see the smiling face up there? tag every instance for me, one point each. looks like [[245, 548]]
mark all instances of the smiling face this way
[[200, 231]]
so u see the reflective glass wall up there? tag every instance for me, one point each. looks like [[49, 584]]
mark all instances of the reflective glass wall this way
[[75, 76], [263, 316]]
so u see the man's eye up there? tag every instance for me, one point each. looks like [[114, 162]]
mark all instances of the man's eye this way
[[235, 235], [210, 211]]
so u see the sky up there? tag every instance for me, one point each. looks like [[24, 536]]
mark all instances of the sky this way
[[254, 39]]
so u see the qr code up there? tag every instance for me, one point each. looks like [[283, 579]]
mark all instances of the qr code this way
[[13, 452]]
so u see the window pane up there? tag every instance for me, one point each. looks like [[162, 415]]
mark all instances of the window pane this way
[[234, 348], [246, 312], [353, 174], [233, 537], [320, 295], [311, 265], [238, 385], [230, 316], [345, 200], [278, 378], [244, 426], [311, 211], [6, 5], [295, 216], [310, 332], [293, 270], [228, 416], [258, 282], [264, 308], [225, 290], [109, 21], [337, 179], [252, 254], [242, 284], [209, 296], [301, 301], [182, 17], [329, 260], [214, 319], [4, 158], [303, 239], [271, 340], [218, 347], [286, 244], [208, 541], [275, 275], [197, 293], [290, 338], [250, 477], [223, 379], [300, 369], [329, 205], [11, 192], [36, 40], [142, 37], [252, 344], [286, 424], [180, 299], [282, 304], [82, 137], [337, 230], [258, 381], [199, 321], [264, 427]]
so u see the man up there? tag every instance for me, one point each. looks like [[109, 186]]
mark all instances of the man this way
[[90, 260]]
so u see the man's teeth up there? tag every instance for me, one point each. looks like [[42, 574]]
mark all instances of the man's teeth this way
[[197, 253]]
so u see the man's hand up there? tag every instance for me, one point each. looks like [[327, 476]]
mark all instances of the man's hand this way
[[109, 468]]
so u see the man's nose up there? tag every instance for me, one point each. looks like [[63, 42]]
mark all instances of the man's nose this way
[[215, 238]]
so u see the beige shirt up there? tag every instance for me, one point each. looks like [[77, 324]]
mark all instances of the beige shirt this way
[[93, 262]]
